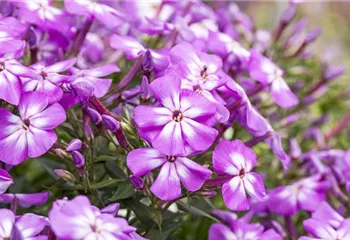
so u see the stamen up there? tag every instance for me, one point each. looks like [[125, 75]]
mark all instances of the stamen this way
[[170, 158], [26, 124], [177, 116], [241, 173], [2, 67], [204, 73]]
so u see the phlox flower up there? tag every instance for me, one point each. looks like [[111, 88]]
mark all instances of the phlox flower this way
[[178, 125], [174, 169], [30, 134], [235, 160]]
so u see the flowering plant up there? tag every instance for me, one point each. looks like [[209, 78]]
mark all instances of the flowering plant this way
[[165, 120]]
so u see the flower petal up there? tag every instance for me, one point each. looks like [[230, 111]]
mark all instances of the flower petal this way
[[282, 95], [197, 135], [60, 66], [167, 185], [102, 71], [17, 141], [32, 199], [219, 231], [32, 103], [39, 141], [9, 123], [167, 91], [254, 186], [195, 105], [143, 160], [30, 225], [192, 175], [169, 141], [50, 118], [146, 116], [7, 221], [11, 87], [5, 181], [319, 229], [234, 195], [129, 45]]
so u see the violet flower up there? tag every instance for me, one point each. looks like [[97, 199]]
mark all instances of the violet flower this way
[[24, 227], [267, 73], [235, 160], [82, 221], [301, 195], [326, 223], [179, 122], [5, 180], [31, 133], [11, 69], [174, 169], [49, 79]]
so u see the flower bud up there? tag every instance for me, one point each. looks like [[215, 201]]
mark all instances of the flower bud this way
[[312, 36], [147, 64], [208, 193], [145, 90], [78, 159], [64, 175], [74, 145], [294, 148], [94, 115], [331, 73], [6, 8], [137, 182], [32, 39], [288, 14], [290, 119], [111, 123]]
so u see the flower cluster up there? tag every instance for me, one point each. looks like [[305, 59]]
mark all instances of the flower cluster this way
[[135, 113]]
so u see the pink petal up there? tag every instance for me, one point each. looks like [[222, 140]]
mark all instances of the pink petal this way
[[222, 160], [9, 123], [195, 105], [184, 52], [7, 221], [102, 71], [282, 95], [50, 118], [5, 181], [60, 66], [219, 231], [32, 199], [143, 160], [39, 141], [11, 87], [169, 141], [167, 90], [325, 211], [192, 175], [78, 7], [150, 117], [197, 135], [319, 229], [344, 229], [234, 195], [254, 186], [17, 141], [30, 225], [132, 48], [167, 185], [32, 103]]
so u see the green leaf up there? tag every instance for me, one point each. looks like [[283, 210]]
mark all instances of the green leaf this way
[[193, 210], [125, 190], [107, 183], [114, 170], [167, 228], [104, 158], [142, 212]]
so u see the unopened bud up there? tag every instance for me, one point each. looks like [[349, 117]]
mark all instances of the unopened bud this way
[[208, 193], [64, 175], [294, 148], [288, 14], [78, 159], [145, 90], [137, 182], [331, 73], [290, 119], [147, 64], [94, 115], [6, 8], [74, 145], [312, 35], [111, 123]]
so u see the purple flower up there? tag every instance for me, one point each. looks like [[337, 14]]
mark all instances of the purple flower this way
[[23, 227], [31, 134], [173, 170], [11, 69], [5, 180], [267, 73], [326, 223], [287, 200], [104, 13], [236, 161], [25, 200], [48, 79], [41, 13], [84, 221], [180, 121], [239, 229]]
